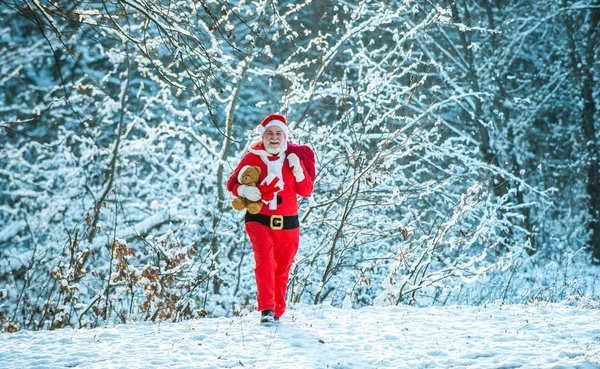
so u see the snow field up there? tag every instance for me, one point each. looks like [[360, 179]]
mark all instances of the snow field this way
[[498, 336]]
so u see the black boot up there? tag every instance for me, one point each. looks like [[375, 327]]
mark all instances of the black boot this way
[[266, 317]]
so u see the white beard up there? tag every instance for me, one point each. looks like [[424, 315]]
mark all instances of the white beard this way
[[274, 151]]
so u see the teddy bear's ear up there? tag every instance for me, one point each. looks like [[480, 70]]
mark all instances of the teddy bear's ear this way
[[258, 169]]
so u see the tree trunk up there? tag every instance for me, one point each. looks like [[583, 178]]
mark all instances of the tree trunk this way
[[589, 131], [499, 105], [224, 155], [485, 148]]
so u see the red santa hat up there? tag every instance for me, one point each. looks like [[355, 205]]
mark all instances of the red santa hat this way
[[241, 172], [273, 120]]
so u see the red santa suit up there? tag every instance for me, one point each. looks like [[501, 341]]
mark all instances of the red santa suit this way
[[275, 231]]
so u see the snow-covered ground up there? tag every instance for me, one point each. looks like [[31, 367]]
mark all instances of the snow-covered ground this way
[[498, 336]]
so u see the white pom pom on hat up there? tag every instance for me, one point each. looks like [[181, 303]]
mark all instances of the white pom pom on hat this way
[[273, 120]]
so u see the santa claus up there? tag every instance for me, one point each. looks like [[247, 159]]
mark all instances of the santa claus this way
[[288, 171]]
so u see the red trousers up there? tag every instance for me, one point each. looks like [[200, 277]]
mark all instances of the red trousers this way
[[274, 252]]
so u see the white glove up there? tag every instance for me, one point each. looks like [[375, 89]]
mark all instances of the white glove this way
[[294, 162], [249, 192]]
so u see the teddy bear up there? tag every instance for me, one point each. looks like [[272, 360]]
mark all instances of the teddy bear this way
[[248, 176]]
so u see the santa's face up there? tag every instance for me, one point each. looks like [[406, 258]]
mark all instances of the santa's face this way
[[274, 140]]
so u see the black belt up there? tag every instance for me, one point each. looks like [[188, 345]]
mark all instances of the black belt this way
[[276, 222]]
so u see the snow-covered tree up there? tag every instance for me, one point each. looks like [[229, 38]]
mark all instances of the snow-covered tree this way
[[455, 148]]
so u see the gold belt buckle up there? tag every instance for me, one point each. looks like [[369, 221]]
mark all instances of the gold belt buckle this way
[[276, 222]]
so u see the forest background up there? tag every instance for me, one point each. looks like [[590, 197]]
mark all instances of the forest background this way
[[457, 153]]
